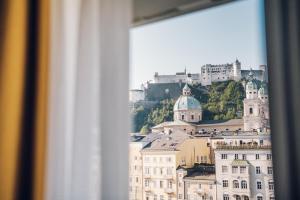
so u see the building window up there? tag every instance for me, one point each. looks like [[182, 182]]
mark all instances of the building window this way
[[161, 197], [238, 197], [199, 186], [136, 179], [271, 185], [146, 183], [234, 169], [269, 156], [270, 170], [259, 198], [182, 117], [225, 197], [223, 156], [244, 184], [225, 183], [257, 156], [192, 117], [170, 184], [257, 169], [224, 169], [235, 184], [179, 196], [169, 171], [251, 110], [236, 156], [244, 156], [161, 184], [242, 169], [258, 185]]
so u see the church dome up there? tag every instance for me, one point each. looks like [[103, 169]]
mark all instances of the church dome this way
[[251, 85], [186, 101]]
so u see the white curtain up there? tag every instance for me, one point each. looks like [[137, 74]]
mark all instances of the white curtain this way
[[88, 143]]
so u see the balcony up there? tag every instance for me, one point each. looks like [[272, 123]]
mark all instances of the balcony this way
[[169, 190]]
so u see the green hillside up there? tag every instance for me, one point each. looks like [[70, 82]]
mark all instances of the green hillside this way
[[220, 101]]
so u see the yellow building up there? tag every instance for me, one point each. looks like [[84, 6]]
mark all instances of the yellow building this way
[[162, 156]]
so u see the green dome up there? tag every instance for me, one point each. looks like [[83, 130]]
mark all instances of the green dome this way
[[185, 102], [251, 85], [263, 90]]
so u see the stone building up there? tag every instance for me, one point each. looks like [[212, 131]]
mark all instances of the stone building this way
[[256, 106], [244, 172], [213, 73]]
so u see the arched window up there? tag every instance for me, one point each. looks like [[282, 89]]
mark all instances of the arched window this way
[[235, 184], [237, 197], [246, 198], [251, 110], [244, 184]]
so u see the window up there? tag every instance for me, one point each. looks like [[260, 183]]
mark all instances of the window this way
[[225, 197], [169, 171], [179, 196], [244, 156], [225, 183], [257, 156], [223, 156], [182, 117], [244, 184], [234, 169], [192, 117], [270, 170], [259, 198], [257, 170], [161, 184], [137, 179], [243, 169], [154, 170], [251, 110], [170, 184], [161, 197], [235, 184], [146, 183], [258, 185], [199, 186], [269, 156], [238, 197], [224, 169], [236, 156], [271, 185]]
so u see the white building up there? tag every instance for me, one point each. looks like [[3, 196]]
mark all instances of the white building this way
[[244, 172], [256, 106], [213, 73], [136, 95]]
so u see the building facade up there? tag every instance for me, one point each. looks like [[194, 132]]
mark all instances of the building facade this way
[[213, 73], [244, 172]]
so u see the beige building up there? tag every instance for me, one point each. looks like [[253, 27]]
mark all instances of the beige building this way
[[161, 158], [135, 168], [198, 182]]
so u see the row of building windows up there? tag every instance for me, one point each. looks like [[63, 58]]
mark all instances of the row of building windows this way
[[237, 197], [244, 156], [159, 197], [159, 170], [159, 184], [235, 169], [243, 184], [158, 159]]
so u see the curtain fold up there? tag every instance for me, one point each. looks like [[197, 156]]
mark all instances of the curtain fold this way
[[23, 97]]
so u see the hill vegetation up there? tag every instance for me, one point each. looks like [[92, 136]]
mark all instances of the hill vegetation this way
[[220, 101]]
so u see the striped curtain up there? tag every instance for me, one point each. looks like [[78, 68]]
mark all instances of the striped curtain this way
[[24, 47]]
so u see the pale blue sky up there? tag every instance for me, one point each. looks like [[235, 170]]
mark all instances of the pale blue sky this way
[[216, 36]]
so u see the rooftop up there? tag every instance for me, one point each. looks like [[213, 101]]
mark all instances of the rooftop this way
[[242, 147]]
